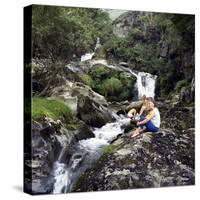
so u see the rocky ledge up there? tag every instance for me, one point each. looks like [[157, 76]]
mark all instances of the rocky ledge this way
[[149, 160], [48, 138]]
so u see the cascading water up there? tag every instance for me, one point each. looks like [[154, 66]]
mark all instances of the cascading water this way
[[88, 56], [85, 153], [146, 84]]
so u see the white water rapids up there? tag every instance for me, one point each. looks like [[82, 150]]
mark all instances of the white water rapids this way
[[89, 150]]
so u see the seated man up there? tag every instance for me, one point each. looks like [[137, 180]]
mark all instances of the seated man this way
[[151, 121]]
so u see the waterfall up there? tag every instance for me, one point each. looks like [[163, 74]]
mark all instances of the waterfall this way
[[98, 44], [146, 84], [85, 153], [88, 56]]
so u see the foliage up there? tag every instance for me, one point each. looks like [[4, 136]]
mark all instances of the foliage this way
[[43, 107], [60, 32], [100, 72], [180, 84], [112, 87], [145, 41], [86, 79]]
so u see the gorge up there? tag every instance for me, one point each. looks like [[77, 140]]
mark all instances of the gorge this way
[[82, 91]]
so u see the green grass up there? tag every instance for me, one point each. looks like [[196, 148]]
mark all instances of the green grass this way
[[108, 149], [42, 107]]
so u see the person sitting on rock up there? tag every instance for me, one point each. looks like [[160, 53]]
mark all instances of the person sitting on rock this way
[[151, 122], [138, 107]]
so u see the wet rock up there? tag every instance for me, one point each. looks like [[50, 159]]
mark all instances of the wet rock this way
[[165, 158], [49, 138], [93, 113]]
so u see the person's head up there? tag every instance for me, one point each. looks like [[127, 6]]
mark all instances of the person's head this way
[[143, 98], [151, 102]]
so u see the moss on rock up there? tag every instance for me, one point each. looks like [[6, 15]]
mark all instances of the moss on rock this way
[[55, 109]]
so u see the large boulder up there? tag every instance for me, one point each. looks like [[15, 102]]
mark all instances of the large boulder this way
[[70, 92], [93, 113], [150, 160], [165, 158], [48, 138]]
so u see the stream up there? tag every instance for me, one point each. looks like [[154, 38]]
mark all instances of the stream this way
[[85, 152]]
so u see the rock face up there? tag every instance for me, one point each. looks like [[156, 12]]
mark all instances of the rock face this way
[[151, 160], [48, 138], [125, 22], [70, 93], [161, 159], [93, 113]]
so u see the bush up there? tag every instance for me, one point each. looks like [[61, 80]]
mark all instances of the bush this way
[[112, 87], [99, 72], [42, 107], [86, 79]]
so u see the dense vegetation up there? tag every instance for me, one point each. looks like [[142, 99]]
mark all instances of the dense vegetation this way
[[61, 33], [114, 85], [161, 44], [160, 48]]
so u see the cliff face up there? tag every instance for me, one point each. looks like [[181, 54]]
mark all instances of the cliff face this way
[[162, 44]]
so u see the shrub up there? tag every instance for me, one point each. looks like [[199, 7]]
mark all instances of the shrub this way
[[99, 72], [112, 87], [86, 79]]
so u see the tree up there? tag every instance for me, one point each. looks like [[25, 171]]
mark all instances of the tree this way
[[60, 32]]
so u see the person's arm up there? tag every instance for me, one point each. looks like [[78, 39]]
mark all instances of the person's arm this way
[[142, 110], [148, 118], [132, 113]]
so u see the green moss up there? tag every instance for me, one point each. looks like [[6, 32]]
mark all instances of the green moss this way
[[73, 125], [86, 79], [108, 149], [42, 107]]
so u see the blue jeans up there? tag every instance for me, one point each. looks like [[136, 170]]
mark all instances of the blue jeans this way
[[149, 125]]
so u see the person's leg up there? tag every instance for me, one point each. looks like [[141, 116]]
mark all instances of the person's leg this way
[[132, 113], [136, 132], [139, 129], [150, 127]]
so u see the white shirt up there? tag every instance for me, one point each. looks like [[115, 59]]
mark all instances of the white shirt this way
[[156, 119]]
